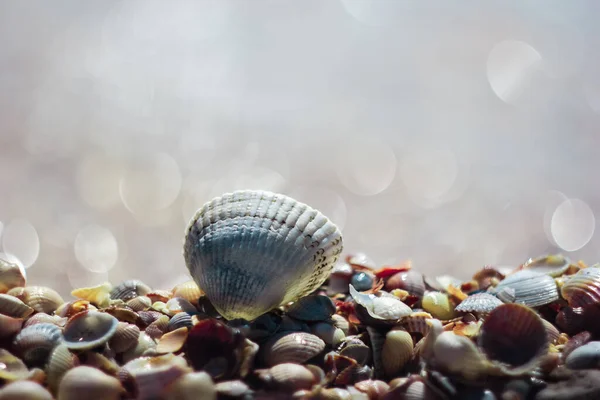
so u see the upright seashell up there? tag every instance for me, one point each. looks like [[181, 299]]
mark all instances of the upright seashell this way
[[89, 329], [129, 289], [125, 337], [40, 298], [397, 351], [381, 307], [11, 276], [180, 320], [13, 368], [583, 288], [192, 386], [552, 332], [527, 287], [514, 335], [24, 390], [35, 343], [312, 308], [296, 347], [152, 375], [479, 303], [188, 290], [97, 295], [60, 361], [13, 307], [411, 281], [438, 305], [89, 383], [252, 251]]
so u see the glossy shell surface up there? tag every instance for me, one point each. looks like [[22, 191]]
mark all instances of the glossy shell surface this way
[[252, 251], [583, 288]]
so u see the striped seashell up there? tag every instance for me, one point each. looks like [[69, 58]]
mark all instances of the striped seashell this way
[[89, 329], [14, 307], [24, 390], [40, 298], [438, 305], [125, 337], [552, 332], [129, 289], [97, 295], [355, 349], [527, 287], [60, 361], [11, 276], [397, 351], [158, 327], [43, 318], [35, 343], [192, 386], [341, 322], [296, 347], [139, 303], [416, 322], [312, 308], [480, 303], [252, 251], [188, 290], [89, 383], [583, 288], [514, 335], [180, 320]]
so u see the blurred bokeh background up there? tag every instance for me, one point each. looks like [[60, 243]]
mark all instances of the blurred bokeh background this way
[[455, 134]]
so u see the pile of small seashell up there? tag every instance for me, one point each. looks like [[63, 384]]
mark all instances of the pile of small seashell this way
[[359, 331]]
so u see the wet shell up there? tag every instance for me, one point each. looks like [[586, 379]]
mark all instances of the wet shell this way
[[514, 335], [13, 307], [40, 298], [97, 295], [24, 390], [583, 288], [35, 343], [11, 276], [397, 351], [480, 303], [153, 374], [129, 289], [125, 337], [438, 305], [192, 386], [252, 251], [410, 280], [527, 287], [312, 308], [89, 329], [180, 320], [90, 384], [60, 361], [297, 347]]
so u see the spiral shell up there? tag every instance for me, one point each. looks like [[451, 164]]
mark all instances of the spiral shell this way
[[583, 288], [527, 287], [252, 251]]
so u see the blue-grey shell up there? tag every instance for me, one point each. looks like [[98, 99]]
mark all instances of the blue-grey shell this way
[[252, 251]]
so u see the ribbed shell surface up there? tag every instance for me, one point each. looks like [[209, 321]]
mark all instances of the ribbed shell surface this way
[[251, 251]]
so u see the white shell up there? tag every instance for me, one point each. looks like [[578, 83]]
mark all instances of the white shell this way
[[252, 251]]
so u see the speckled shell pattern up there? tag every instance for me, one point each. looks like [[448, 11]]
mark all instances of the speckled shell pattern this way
[[252, 251]]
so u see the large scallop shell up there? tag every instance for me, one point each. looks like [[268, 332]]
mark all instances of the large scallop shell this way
[[583, 288], [531, 288], [252, 251]]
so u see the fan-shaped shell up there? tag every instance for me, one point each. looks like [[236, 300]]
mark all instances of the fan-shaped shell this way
[[481, 303], [34, 343], [89, 329], [515, 335], [583, 288], [397, 351], [60, 361], [252, 251], [180, 320], [528, 287], [297, 347], [40, 298]]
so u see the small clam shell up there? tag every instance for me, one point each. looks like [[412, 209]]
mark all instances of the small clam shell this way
[[583, 288], [9, 326], [192, 386], [586, 356], [125, 337], [129, 289], [13, 307], [188, 290], [312, 308], [60, 361], [140, 303], [528, 287], [328, 333], [153, 374], [97, 295], [179, 305], [35, 343], [297, 347], [480, 303], [24, 390], [384, 307], [40, 298], [397, 351], [144, 344], [127, 315], [410, 280], [356, 350], [43, 318], [252, 251], [13, 369], [89, 329], [89, 383], [438, 305], [172, 342], [514, 335], [290, 377], [180, 320], [158, 327], [457, 354], [11, 276]]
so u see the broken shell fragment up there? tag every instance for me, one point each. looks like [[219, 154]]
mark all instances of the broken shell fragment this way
[[252, 251], [89, 383], [153, 374], [382, 307], [173, 341], [97, 295]]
